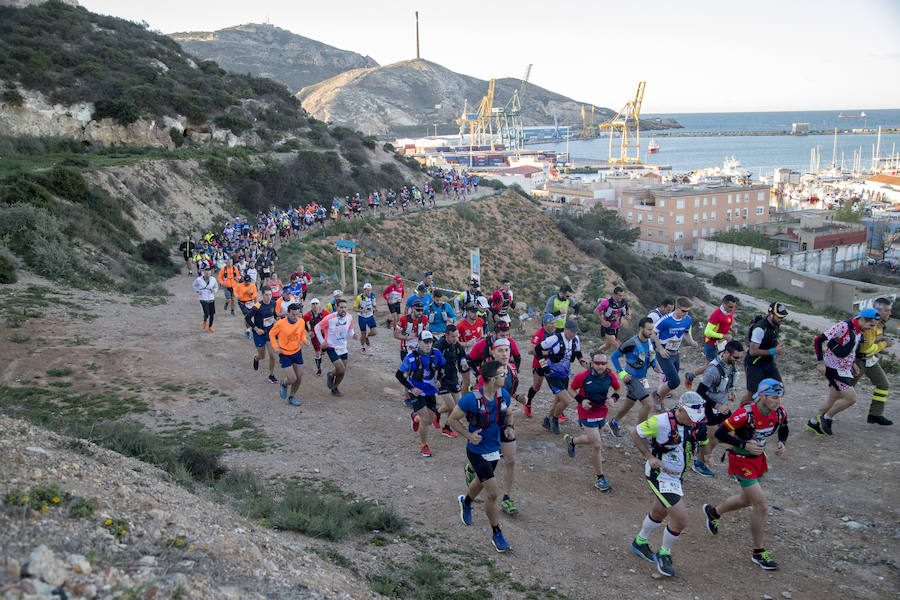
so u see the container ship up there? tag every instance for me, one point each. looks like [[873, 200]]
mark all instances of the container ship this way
[[859, 116]]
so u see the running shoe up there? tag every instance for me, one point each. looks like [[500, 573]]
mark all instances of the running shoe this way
[[447, 432], [426, 451], [546, 424], [204, 323], [664, 564], [284, 390], [815, 425], [688, 379], [508, 506], [570, 445], [232, 312], [500, 542], [700, 467], [318, 372], [711, 524], [363, 349], [368, 342], [247, 333], [643, 550], [273, 379], [413, 421], [255, 364], [526, 410], [437, 420], [470, 475], [293, 401], [562, 418], [211, 330], [826, 425], [602, 484], [465, 511], [614, 428], [879, 420], [764, 560], [554, 425], [330, 381], [336, 392]]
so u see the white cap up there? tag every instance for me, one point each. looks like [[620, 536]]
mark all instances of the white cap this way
[[426, 335], [501, 342], [694, 405], [367, 285], [337, 293], [314, 301]]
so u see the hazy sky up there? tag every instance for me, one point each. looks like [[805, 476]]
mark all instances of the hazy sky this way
[[696, 55]]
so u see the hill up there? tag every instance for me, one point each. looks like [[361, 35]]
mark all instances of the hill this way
[[264, 50], [408, 97]]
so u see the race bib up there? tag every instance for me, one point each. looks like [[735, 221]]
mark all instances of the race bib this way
[[670, 486], [845, 373], [871, 361], [673, 345], [491, 456], [720, 345], [249, 304], [645, 383], [268, 321]]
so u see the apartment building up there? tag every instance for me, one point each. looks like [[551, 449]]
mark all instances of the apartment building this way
[[672, 218]]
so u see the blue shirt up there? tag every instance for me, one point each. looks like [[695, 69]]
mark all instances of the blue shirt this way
[[295, 290], [427, 300], [638, 355], [428, 382], [490, 435], [670, 330], [439, 315], [562, 367]]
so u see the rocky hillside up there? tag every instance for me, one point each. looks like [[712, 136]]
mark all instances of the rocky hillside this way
[[268, 51], [405, 97]]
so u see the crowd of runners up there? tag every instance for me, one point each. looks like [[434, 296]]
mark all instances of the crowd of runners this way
[[459, 369]]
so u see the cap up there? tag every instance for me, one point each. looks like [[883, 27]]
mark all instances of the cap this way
[[314, 301], [868, 313], [367, 285], [398, 279], [504, 325], [337, 293], [547, 318], [572, 325], [693, 405], [769, 387], [427, 274], [778, 309], [566, 288], [418, 304], [421, 287], [426, 335], [501, 342], [294, 276], [247, 279], [474, 282]]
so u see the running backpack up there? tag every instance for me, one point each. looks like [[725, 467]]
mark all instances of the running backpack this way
[[658, 449], [482, 418], [750, 426], [419, 372], [843, 350]]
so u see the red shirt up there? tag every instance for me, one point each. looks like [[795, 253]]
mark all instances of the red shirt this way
[[409, 324], [394, 287], [596, 385], [722, 322], [478, 350], [763, 425], [470, 331], [501, 299], [536, 340]]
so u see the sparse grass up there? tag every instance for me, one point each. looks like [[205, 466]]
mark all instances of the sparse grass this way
[[794, 303]]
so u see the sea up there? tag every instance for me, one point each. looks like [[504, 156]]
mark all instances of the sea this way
[[759, 154]]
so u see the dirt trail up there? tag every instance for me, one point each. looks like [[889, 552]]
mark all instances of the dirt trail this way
[[568, 535]]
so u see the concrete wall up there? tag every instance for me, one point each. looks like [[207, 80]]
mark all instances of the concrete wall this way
[[823, 291], [825, 261], [731, 254]]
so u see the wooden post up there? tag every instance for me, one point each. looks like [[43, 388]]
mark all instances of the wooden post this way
[[353, 266], [343, 272]]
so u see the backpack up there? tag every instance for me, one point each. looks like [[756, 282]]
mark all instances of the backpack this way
[[658, 449], [750, 427], [419, 372], [482, 418], [843, 350]]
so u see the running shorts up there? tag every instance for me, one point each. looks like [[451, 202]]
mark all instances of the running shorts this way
[[604, 331], [334, 356], [449, 386], [557, 384], [286, 360], [592, 423], [747, 470], [366, 322], [668, 491], [420, 402], [260, 340], [484, 469], [837, 381], [636, 390], [756, 373], [394, 307]]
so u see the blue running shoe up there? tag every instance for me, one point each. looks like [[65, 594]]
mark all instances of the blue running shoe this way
[[643, 550], [500, 542], [283, 390], [614, 427], [700, 467], [465, 511], [293, 401], [602, 484], [570, 445]]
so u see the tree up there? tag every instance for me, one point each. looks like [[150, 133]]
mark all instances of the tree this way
[[610, 225], [848, 212]]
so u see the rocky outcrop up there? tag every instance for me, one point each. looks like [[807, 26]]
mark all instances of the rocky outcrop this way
[[24, 3], [269, 51]]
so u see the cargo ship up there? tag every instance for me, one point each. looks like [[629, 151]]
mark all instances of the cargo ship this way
[[859, 116]]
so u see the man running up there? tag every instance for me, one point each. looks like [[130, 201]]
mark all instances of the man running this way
[[612, 312], [456, 363], [246, 294], [422, 296], [205, 285], [393, 296], [365, 310], [555, 355], [467, 297], [229, 276], [440, 315], [287, 337], [837, 362], [746, 431], [671, 331], [333, 332], [666, 440], [639, 356], [874, 341], [311, 319], [481, 351], [188, 248], [715, 336], [560, 304], [486, 410], [717, 390], [408, 328], [471, 329], [548, 327], [501, 300], [762, 347], [591, 390], [418, 373], [260, 318]]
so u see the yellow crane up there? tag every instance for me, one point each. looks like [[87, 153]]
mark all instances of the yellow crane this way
[[484, 123], [627, 125], [587, 127]]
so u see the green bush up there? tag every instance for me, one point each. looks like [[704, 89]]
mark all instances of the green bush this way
[[69, 183], [7, 270], [746, 237], [725, 279], [125, 112], [177, 137], [236, 123], [12, 97], [153, 252], [543, 254]]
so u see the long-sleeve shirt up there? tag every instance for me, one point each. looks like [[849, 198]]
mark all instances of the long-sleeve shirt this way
[[393, 293], [334, 330], [206, 288], [868, 347], [288, 336], [638, 355], [718, 326], [843, 335]]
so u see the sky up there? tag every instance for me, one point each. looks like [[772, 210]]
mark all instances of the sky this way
[[695, 55]]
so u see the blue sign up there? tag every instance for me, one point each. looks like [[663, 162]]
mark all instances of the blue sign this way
[[345, 246]]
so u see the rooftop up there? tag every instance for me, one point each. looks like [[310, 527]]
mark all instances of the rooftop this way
[[689, 189]]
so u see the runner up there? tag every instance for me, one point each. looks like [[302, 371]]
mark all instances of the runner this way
[[393, 295], [485, 409], [229, 276], [471, 329], [671, 331], [639, 356], [205, 285], [715, 336], [311, 319], [304, 277], [332, 304], [419, 372], [837, 362], [422, 296], [464, 299], [612, 312], [746, 431], [408, 328], [873, 342], [441, 314], [717, 390], [295, 289], [333, 331], [548, 327], [246, 295], [501, 300], [591, 390], [762, 346], [559, 305], [287, 337], [365, 311], [555, 355], [261, 317], [481, 351], [456, 363], [428, 280], [665, 440], [188, 249]]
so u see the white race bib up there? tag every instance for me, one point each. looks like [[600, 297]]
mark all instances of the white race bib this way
[[720, 345], [871, 361], [645, 383], [845, 373], [673, 345], [490, 456], [268, 321], [670, 486]]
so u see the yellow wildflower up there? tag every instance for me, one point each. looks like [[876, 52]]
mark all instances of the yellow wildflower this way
[[44, 507], [191, 547], [55, 500], [108, 522]]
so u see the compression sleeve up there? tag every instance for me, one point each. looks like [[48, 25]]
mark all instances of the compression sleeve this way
[[614, 359], [783, 433], [725, 436], [712, 331], [401, 377], [817, 344], [703, 390]]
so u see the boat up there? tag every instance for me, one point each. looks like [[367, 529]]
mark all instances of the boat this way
[[859, 116], [653, 147]]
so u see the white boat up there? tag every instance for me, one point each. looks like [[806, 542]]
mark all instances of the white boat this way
[[653, 147]]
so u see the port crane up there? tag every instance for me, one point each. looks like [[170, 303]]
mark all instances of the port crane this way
[[587, 127], [627, 125], [481, 122], [509, 118]]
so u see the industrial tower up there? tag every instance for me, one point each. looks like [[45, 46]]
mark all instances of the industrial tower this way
[[628, 125]]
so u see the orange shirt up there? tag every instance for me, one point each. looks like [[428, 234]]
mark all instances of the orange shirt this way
[[228, 276], [288, 336], [246, 292]]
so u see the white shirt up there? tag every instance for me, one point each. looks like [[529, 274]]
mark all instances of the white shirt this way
[[206, 289]]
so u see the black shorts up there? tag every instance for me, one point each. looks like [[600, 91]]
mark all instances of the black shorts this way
[[394, 307], [668, 499], [756, 373], [484, 469], [836, 381], [420, 402], [604, 331], [449, 386]]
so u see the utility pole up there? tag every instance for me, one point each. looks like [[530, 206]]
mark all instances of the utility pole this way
[[417, 35]]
